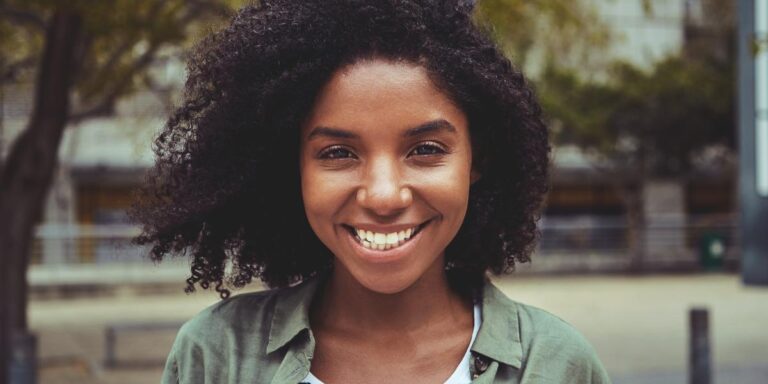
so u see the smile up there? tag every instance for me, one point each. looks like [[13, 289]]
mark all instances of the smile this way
[[384, 241]]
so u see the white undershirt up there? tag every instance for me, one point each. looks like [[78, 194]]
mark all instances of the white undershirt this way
[[461, 375]]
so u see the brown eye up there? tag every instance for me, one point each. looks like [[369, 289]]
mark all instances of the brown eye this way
[[428, 149], [335, 152]]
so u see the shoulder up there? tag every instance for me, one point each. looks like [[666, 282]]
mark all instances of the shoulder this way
[[538, 325], [240, 315], [232, 329], [541, 329], [556, 350], [245, 313], [533, 324], [552, 349]]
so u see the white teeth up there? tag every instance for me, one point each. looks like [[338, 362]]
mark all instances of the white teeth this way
[[383, 241], [379, 238]]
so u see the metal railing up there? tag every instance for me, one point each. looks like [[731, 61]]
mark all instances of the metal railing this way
[[576, 244], [612, 234], [111, 338], [86, 244]]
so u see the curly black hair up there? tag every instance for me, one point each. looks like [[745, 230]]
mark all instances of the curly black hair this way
[[225, 188]]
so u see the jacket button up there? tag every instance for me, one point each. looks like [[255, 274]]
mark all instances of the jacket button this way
[[481, 365]]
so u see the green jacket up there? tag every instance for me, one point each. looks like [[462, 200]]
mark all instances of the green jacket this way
[[265, 337]]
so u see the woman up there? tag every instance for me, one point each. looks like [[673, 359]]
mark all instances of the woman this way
[[372, 160]]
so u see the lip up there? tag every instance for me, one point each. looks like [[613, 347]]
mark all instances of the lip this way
[[376, 256], [384, 228]]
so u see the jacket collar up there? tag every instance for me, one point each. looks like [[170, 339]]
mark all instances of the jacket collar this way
[[499, 334], [498, 337], [291, 315]]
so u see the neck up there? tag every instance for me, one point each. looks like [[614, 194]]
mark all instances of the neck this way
[[345, 304]]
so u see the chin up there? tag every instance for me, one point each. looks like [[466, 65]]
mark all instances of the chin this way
[[387, 282], [388, 285]]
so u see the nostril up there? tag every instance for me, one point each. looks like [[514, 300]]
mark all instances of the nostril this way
[[385, 202]]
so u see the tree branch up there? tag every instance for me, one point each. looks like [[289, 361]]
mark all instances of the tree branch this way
[[114, 58], [21, 17], [11, 71], [198, 7], [106, 105], [195, 9]]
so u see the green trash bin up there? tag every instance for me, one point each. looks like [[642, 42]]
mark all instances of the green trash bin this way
[[712, 251]]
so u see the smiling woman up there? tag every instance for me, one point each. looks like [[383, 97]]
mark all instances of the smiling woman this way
[[372, 161], [395, 166]]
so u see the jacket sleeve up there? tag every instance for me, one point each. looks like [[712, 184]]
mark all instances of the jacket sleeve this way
[[188, 362], [584, 366], [171, 371]]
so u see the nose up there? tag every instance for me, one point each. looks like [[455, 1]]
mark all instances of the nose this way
[[383, 190]]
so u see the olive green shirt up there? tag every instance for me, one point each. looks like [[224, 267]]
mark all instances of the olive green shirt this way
[[265, 337]]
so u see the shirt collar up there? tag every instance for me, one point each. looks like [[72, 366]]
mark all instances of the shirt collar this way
[[498, 337], [499, 334], [291, 314]]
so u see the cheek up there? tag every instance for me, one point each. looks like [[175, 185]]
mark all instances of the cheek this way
[[311, 191], [321, 193], [446, 189]]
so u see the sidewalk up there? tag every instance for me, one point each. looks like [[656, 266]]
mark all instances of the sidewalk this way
[[638, 325]]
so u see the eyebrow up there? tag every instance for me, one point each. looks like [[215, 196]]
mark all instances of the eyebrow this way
[[331, 132], [428, 127], [440, 125]]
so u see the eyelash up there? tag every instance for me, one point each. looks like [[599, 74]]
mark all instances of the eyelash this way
[[439, 149], [331, 152], [327, 154]]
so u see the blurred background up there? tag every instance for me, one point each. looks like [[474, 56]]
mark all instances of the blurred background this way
[[659, 116]]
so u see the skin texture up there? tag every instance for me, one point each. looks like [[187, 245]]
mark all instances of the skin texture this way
[[373, 174]]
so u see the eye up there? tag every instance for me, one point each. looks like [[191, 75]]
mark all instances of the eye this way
[[428, 149], [335, 152]]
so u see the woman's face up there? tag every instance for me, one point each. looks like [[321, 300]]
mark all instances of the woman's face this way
[[385, 173]]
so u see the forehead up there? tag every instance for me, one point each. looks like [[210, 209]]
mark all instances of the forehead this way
[[381, 94]]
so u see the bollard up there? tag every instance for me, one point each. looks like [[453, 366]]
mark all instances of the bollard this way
[[109, 347], [23, 368], [700, 367]]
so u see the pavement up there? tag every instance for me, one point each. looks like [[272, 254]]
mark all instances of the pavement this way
[[637, 324]]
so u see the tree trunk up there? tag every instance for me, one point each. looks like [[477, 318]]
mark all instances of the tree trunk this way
[[27, 173]]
